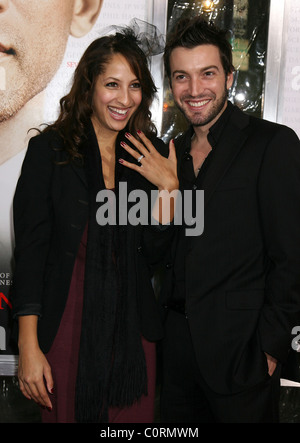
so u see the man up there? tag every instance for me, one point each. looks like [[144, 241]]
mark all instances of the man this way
[[33, 39], [233, 293]]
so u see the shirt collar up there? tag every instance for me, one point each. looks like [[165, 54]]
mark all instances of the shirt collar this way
[[215, 131], [217, 128]]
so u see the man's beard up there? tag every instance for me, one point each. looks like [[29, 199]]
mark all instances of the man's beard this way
[[199, 119]]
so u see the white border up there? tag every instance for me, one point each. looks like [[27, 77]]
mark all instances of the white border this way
[[159, 19], [274, 61]]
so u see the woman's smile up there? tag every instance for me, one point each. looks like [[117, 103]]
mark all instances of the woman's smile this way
[[118, 113]]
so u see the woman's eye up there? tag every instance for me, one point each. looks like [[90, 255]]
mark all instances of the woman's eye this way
[[136, 85], [112, 85]]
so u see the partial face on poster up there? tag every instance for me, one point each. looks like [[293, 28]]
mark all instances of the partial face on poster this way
[[33, 39]]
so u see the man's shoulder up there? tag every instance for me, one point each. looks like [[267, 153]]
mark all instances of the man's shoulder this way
[[259, 125]]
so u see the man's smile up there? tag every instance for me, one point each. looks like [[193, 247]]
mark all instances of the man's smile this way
[[197, 104]]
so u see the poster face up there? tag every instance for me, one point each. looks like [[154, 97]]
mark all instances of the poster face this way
[[41, 43]]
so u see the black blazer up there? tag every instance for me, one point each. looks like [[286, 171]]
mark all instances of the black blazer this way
[[243, 273], [50, 214]]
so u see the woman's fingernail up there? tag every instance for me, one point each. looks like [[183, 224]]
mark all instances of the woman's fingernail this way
[[138, 131], [121, 160], [123, 144], [127, 135]]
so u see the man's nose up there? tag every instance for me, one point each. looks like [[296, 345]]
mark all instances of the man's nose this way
[[196, 87]]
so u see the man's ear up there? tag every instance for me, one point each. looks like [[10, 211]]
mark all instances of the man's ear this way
[[85, 15], [229, 80]]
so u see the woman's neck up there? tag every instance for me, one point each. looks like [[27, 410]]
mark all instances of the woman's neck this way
[[106, 142]]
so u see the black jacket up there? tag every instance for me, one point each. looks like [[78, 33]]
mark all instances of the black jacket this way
[[242, 275], [50, 214]]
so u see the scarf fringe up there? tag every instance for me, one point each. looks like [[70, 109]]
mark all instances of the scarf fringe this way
[[89, 412], [132, 385], [129, 389]]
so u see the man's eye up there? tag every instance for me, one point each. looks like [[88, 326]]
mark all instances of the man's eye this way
[[180, 77]]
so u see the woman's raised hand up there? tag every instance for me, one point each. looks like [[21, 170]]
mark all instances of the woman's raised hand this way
[[159, 170]]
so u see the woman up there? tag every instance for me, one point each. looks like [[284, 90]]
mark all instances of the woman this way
[[82, 293]]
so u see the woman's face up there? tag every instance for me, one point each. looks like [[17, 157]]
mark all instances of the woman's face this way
[[117, 95]]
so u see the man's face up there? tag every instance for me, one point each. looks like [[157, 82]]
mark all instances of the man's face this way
[[199, 83], [33, 37]]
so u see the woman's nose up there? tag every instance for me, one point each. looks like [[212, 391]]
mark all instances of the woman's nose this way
[[124, 97]]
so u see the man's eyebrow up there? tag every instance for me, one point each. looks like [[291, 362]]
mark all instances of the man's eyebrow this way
[[206, 68], [210, 67], [179, 71]]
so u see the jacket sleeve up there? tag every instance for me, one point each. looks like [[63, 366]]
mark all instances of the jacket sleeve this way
[[279, 199], [32, 224], [156, 238]]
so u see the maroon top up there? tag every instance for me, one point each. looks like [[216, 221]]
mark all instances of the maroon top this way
[[63, 359]]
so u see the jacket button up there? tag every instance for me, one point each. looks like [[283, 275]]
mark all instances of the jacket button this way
[[83, 202], [75, 226], [169, 265], [139, 249]]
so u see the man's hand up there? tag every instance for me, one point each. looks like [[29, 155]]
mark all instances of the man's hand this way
[[272, 363]]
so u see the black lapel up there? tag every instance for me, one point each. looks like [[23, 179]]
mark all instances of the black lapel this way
[[80, 171], [233, 138], [86, 144]]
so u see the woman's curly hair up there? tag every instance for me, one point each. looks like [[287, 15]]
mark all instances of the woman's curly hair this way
[[76, 107]]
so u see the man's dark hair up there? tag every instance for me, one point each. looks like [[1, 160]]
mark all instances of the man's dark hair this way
[[189, 33]]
